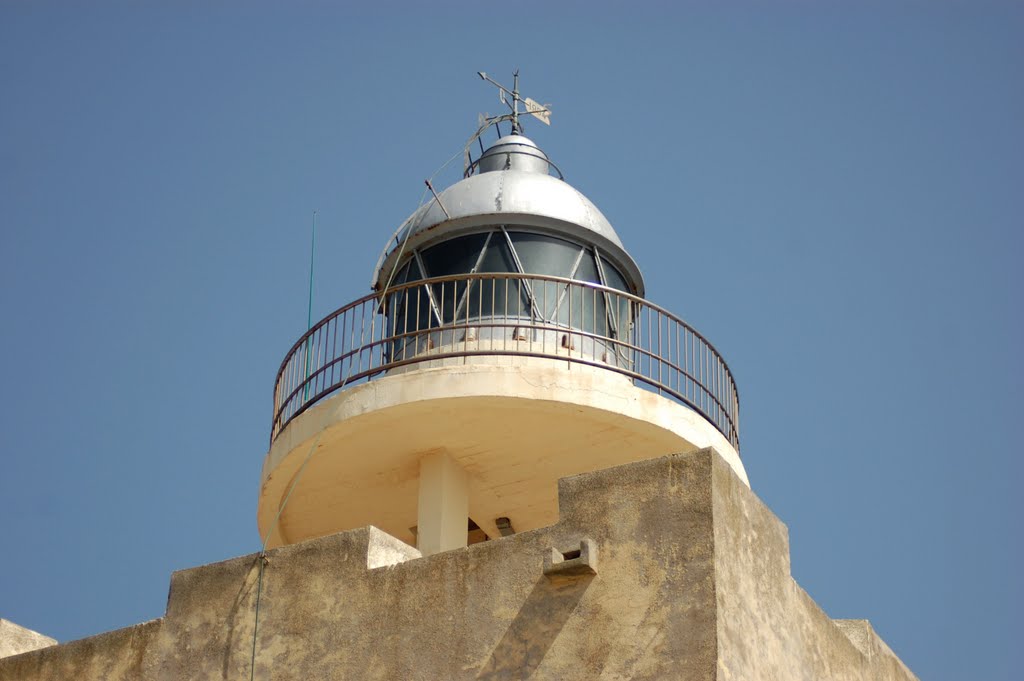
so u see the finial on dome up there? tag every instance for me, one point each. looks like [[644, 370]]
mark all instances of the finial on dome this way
[[539, 111]]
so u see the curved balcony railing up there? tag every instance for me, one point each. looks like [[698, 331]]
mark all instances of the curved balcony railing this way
[[501, 314]]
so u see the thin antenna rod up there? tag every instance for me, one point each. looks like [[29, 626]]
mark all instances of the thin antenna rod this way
[[309, 308], [516, 130], [312, 250]]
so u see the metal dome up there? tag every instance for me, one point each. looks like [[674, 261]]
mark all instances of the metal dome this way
[[514, 152], [511, 187]]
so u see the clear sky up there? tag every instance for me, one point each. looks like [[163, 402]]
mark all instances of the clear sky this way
[[833, 193]]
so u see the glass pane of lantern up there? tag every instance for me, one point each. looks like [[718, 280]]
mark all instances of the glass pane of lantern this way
[[456, 256], [409, 311], [499, 297], [615, 280], [453, 257], [620, 305], [541, 254], [587, 303]]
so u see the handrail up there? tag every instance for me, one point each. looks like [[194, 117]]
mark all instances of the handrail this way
[[507, 314], [471, 168]]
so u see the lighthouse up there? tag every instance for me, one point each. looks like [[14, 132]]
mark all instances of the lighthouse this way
[[506, 343], [502, 462]]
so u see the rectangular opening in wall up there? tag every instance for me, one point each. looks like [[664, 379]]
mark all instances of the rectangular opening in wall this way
[[474, 534]]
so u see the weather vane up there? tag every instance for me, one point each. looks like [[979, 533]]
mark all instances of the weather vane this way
[[538, 111], [511, 99]]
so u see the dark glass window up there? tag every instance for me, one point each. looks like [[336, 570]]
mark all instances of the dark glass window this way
[[615, 280], [620, 307], [409, 310], [587, 270], [542, 254], [589, 301], [499, 297], [589, 309], [498, 258], [456, 256]]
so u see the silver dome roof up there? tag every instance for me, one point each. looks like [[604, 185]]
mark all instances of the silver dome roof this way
[[514, 152], [521, 195]]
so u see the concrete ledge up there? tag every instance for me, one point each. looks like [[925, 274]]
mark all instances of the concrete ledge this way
[[864, 637], [383, 550], [112, 656], [16, 639]]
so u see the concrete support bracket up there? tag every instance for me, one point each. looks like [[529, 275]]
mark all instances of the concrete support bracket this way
[[577, 561]]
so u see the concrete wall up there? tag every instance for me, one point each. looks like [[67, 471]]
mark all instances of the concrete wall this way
[[768, 627], [15, 639], [692, 582], [113, 655]]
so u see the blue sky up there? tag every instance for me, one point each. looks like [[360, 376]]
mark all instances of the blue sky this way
[[832, 193]]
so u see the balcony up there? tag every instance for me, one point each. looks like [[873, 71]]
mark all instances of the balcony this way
[[437, 321]]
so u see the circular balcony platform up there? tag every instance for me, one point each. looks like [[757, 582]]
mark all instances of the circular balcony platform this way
[[515, 426], [525, 380]]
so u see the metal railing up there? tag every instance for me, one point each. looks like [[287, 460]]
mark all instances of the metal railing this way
[[502, 314], [472, 168]]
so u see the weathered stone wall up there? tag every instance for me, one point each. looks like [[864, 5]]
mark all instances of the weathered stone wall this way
[[16, 639], [678, 551], [114, 655], [768, 627]]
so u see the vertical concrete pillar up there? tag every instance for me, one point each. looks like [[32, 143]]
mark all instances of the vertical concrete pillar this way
[[443, 505]]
